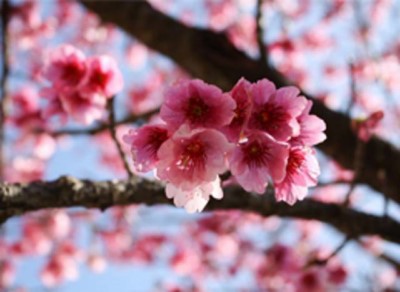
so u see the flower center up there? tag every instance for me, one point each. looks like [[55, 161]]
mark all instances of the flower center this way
[[254, 153], [197, 109], [193, 154], [295, 161], [264, 116], [73, 73], [99, 78]]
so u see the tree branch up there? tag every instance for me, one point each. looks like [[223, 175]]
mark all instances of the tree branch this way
[[102, 127], [210, 56], [113, 133], [19, 198]]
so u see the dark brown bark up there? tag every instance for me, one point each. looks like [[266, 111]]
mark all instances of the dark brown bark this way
[[65, 192]]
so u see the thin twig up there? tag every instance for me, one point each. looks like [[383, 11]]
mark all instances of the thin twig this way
[[321, 262], [383, 256], [102, 127], [113, 132], [358, 162], [330, 183], [390, 260], [260, 33], [3, 83], [353, 89]]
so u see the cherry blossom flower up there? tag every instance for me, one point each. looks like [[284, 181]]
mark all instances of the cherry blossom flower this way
[[198, 104], [257, 160], [57, 224], [25, 169], [311, 128], [302, 171], [145, 142], [194, 200], [337, 272], [96, 262], [79, 86], [190, 159], [44, 146], [7, 274], [275, 111], [65, 68], [311, 281], [58, 269], [240, 93], [82, 109], [25, 100], [365, 128], [26, 109], [103, 77]]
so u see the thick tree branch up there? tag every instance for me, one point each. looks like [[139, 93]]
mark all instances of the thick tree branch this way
[[19, 198], [211, 57]]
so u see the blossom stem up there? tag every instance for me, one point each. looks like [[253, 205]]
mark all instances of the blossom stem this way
[[113, 132], [101, 127]]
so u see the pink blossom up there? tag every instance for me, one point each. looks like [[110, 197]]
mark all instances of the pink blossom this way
[[191, 159], [337, 273], [280, 259], [242, 34], [69, 249], [103, 77], [257, 160], [96, 262], [44, 146], [25, 109], [25, 100], [198, 104], [24, 169], [57, 224], [186, 261], [116, 241], [145, 142], [7, 274], [221, 13], [365, 128], [302, 171], [311, 281], [311, 128], [137, 55], [275, 111], [84, 110], [227, 246], [194, 200], [240, 93], [54, 106], [147, 96], [58, 269], [65, 68], [34, 240]]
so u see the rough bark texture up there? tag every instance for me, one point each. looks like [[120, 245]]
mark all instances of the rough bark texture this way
[[72, 192], [211, 57]]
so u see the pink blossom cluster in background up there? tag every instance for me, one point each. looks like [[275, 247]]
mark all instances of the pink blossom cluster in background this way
[[79, 86], [257, 132]]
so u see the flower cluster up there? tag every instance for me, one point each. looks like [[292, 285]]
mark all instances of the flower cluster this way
[[80, 86], [257, 132]]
